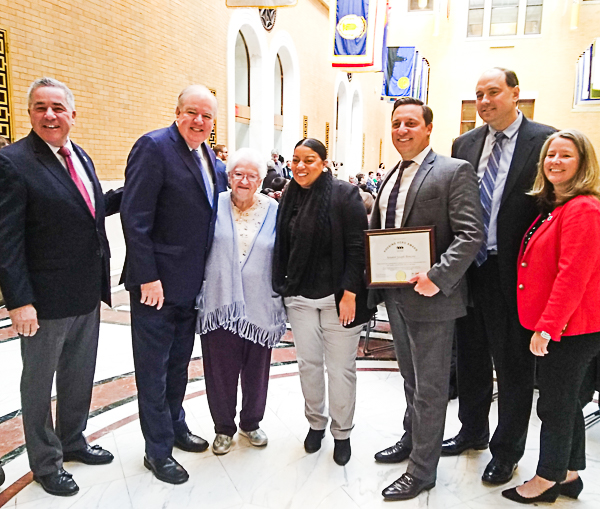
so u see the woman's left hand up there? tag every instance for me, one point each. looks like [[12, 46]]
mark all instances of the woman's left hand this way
[[538, 345], [347, 308]]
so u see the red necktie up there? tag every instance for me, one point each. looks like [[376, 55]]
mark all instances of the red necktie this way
[[66, 153]]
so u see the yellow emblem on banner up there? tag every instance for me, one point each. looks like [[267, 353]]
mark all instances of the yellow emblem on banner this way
[[403, 83], [352, 26]]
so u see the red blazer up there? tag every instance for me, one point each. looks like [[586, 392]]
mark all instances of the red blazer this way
[[558, 287]]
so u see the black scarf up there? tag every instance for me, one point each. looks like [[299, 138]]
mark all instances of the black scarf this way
[[298, 249]]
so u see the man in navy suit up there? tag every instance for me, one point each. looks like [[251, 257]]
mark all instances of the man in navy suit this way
[[168, 214], [221, 154], [491, 336], [54, 270]]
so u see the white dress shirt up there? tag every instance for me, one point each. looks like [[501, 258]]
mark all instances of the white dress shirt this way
[[407, 178]]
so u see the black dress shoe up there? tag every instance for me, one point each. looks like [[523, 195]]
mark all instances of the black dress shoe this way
[[341, 451], [460, 443], [498, 472], [59, 483], [406, 487], [394, 454], [550, 495], [91, 455], [190, 443], [167, 470], [312, 442], [568, 489]]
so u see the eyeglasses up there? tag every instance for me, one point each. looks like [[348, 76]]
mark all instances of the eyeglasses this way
[[238, 175]]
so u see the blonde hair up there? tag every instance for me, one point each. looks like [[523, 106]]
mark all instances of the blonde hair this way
[[586, 180]]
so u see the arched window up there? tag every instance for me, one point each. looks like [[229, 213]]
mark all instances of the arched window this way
[[242, 93], [278, 104]]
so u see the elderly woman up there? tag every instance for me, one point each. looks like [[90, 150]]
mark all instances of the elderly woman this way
[[319, 255], [240, 318], [559, 298]]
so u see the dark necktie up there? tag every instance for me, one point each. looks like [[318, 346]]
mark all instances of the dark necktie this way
[[205, 176], [66, 153], [486, 192], [390, 214]]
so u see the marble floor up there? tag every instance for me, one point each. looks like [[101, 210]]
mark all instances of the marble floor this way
[[282, 475]]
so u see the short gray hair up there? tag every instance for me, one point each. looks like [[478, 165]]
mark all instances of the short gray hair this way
[[200, 90], [249, 156], [51, 82], [274, 152]]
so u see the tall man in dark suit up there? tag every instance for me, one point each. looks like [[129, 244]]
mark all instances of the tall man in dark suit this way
[[426, 189], [505, 153], [54, 270], [168, 214]]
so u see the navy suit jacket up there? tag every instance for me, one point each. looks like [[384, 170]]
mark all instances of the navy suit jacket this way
[[167, 219], [517, 209], [53, 253]]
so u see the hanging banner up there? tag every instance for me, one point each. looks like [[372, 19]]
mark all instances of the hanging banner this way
[[358, 30], [406, 74], [398, 72], [261, 4]]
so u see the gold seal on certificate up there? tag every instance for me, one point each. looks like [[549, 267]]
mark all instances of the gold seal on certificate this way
[[396, 255]]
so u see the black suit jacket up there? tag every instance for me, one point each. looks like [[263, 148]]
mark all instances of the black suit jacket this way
[[167, 219], [53, 253], [348, 219], [517, 209]]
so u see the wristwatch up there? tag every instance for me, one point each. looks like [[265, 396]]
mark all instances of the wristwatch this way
[[545, 335]]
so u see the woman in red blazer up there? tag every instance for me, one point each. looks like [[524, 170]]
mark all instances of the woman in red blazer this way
[[558, 297]]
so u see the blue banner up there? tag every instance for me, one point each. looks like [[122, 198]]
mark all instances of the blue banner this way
[[398, 77], [352, 21]]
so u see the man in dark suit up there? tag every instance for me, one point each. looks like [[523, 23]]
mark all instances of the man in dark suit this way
[[54, 270], [221, 154], [168, 214], [505, 153], [426, 189]]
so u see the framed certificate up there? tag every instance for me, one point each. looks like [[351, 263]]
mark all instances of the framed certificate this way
[[395, 255]]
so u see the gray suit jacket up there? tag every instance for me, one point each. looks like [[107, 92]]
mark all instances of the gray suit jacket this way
[[444, 193]]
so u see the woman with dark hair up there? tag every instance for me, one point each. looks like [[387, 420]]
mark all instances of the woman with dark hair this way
[[318, 261], [558, 298]]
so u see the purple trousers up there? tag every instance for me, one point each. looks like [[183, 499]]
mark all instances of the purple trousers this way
[[226, 358]]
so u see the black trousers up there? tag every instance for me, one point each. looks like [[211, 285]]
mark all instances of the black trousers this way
[[227, 357], [491, 336], [162, 346], [560, 375]]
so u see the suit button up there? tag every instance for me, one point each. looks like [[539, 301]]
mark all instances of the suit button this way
[[524, 264], [98, 252], [521, 287]]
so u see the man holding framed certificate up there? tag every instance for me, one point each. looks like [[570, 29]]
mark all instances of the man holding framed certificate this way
[[429, 209]]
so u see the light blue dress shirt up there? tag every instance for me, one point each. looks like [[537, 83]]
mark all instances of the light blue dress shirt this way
[[508, 149]]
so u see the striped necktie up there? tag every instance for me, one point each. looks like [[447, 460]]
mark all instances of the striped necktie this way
[[205, 176], [390, 213], [486, 192]]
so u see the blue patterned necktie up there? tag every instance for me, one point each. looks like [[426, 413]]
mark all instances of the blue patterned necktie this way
[[390, 213], [205, 176], [486, 192]]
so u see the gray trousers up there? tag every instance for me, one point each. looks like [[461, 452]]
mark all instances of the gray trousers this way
[[424, 351], [321, 342], [67, 347]]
